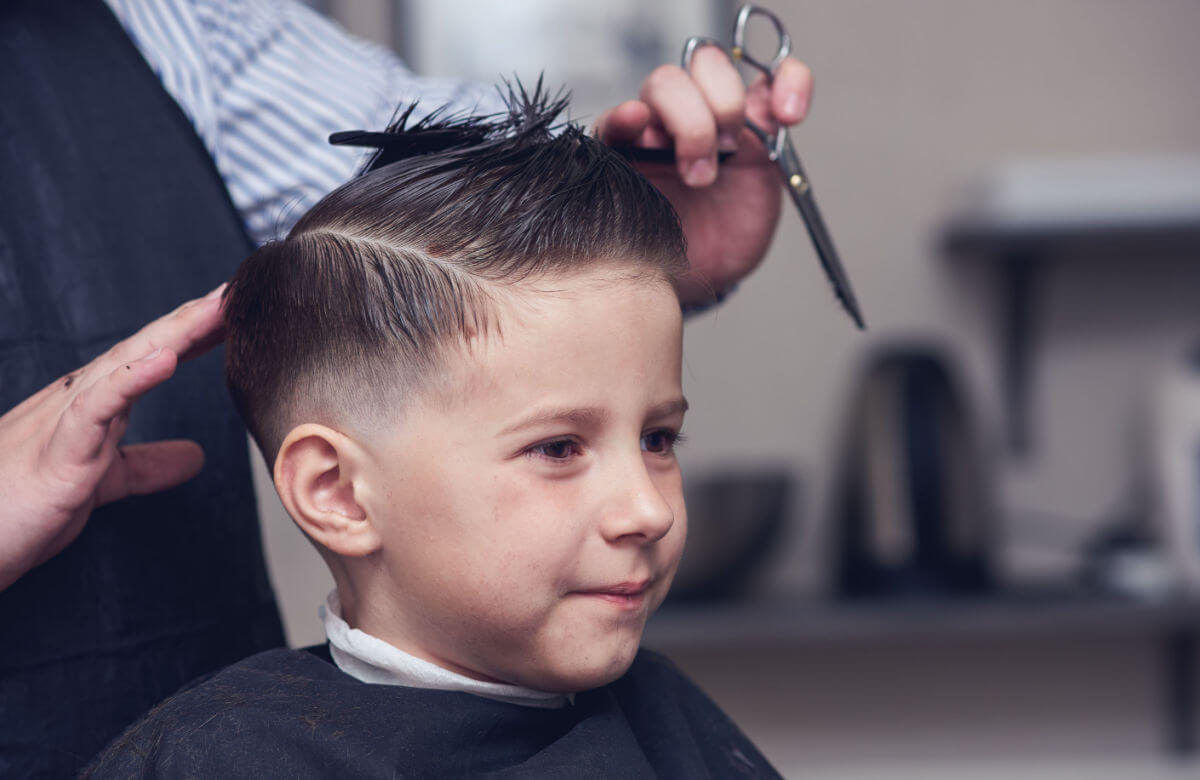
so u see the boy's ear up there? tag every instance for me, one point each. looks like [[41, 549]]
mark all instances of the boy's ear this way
[[316, 471]]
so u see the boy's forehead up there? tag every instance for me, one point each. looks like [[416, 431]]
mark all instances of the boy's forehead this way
[[570, 282], [554, 330]]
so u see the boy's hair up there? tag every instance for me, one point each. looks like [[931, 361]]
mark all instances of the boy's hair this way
[[362, 298]]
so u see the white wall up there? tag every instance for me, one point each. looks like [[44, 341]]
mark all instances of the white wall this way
[[912, 99]]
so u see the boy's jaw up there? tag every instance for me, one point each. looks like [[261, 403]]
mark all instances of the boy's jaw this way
[[533, 558]]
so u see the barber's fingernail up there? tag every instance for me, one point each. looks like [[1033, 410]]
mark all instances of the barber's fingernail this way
[[700, 173], [153, 355], [217, 292], [795, 106], [727, 141]]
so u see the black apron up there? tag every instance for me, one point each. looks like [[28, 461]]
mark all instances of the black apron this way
[[294, 714], [111, 214]]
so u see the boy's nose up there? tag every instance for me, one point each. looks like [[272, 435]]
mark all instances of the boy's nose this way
[[638, 512]]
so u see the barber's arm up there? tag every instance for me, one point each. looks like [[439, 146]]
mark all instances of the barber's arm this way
[[60, 456], [729, 212]]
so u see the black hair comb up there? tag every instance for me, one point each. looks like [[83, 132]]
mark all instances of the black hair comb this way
[[528, 114]]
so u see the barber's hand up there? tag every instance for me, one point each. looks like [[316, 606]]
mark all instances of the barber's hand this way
[[729, 213], [60, 456]]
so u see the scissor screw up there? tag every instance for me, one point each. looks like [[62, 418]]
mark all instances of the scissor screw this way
[[736, 52], [798, 183]]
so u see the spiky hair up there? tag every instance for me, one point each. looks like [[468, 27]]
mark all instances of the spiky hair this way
[[360, 300]]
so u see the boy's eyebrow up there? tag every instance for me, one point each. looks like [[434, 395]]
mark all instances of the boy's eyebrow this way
[[667, 408], [589, 415], [579, 415]]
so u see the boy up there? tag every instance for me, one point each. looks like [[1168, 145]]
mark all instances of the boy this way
[[464, 369]]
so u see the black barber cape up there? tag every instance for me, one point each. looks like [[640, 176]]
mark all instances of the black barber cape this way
[[111, 214], [292, 713]]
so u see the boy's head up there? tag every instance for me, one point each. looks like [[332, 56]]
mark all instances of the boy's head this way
[[464, 367]]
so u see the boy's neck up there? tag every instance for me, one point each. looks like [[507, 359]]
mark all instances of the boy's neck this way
[[372, 660]]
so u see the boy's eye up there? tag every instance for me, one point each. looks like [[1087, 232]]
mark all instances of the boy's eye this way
[[557, 450], [661, 442]]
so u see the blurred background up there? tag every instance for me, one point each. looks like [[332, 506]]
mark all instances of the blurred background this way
[[965, 543]]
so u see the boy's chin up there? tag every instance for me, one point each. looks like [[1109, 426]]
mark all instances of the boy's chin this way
[[578, 674]]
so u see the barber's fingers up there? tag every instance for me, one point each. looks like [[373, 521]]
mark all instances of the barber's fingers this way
[[789, 96], [721, 86], [679, 107], [624, 124], [758, 104], [187, 331], [88, 421], [139, 469]]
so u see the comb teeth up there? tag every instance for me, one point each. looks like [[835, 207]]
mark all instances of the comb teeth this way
[[392, 147]]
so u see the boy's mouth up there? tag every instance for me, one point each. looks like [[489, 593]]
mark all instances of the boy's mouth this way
[[626, 595]]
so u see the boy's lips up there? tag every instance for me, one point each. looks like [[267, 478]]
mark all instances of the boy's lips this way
[[628, 595]]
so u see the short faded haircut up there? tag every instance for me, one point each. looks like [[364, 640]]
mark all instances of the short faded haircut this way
[[357, 306]]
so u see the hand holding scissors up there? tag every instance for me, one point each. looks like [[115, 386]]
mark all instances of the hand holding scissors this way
[[780, 150], [729, 212]]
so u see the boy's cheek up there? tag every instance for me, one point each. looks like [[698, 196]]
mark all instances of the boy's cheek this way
[[525, 496], [679, 529], [672, 547]]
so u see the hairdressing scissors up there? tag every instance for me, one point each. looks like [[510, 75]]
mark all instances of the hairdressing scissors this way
[[781, 152]]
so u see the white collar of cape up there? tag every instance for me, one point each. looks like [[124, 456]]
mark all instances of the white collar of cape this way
[[372, 660]]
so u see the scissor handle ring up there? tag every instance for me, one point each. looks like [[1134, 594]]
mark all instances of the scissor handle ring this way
[[693, 43], [739, 39]]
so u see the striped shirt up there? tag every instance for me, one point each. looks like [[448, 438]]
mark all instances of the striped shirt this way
[[264, 83]]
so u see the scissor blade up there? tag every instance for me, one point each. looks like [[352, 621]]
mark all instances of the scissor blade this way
[[797, 184]]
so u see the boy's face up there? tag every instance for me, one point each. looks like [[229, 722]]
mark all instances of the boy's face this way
[[531, 509]]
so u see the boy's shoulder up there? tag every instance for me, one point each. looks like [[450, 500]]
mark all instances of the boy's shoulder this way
[[294, 713], [203, 729], [290, 713]]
